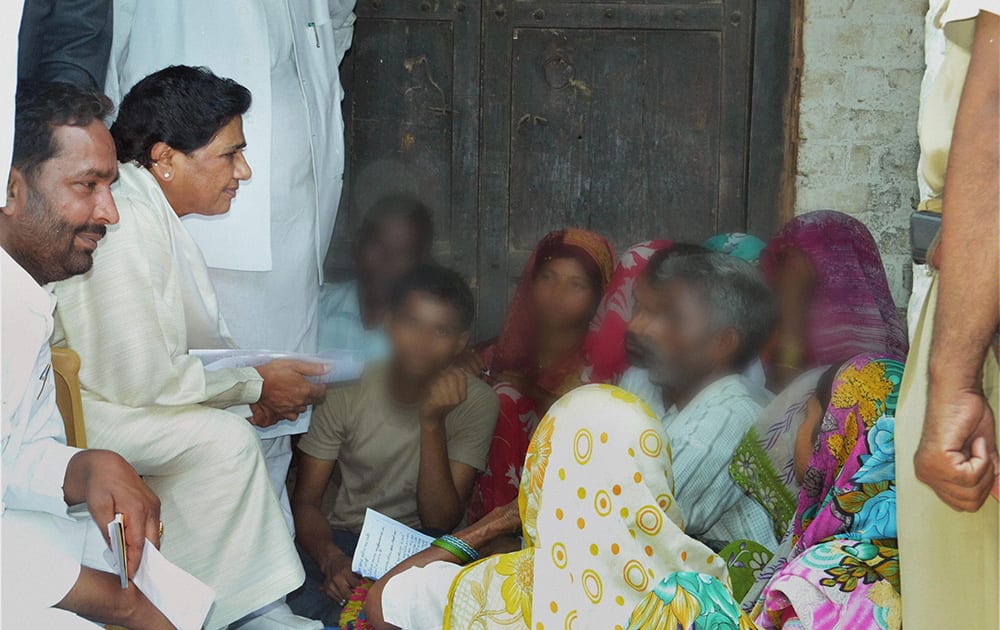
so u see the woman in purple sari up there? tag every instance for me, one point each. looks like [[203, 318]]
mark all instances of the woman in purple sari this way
[[825, 269]]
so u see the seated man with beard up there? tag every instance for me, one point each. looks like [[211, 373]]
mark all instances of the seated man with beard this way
[[57, 206], [702, 323], [636, 377]]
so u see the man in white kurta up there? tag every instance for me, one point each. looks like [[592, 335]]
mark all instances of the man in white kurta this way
[[132, 319], [53, 552], [43, 546], [266, 255]]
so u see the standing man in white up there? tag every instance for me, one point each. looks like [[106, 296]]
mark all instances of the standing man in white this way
[[266, 255]]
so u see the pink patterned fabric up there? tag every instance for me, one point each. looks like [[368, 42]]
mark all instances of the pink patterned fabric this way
[[843, 568], [604, 348], [852, 310]]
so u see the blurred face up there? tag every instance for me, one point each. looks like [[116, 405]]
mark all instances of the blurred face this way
[[388, 255], [426, 336], [794, 289], [805, 439], [53, 221], [563, 295], [206, 180], [684, 346], [644, 303]]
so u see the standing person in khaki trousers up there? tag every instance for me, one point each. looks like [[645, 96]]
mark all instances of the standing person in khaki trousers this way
[[947, 470]]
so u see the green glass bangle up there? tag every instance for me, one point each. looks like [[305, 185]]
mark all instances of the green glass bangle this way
[[464, 546], [447, 545]]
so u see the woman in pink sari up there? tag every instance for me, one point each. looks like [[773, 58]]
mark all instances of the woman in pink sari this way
[[826, 271]]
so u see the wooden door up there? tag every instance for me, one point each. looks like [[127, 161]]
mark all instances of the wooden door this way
[[516, 117], [411, 119], [629, 119]]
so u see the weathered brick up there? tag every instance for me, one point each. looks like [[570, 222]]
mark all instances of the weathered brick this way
[[858, 117]]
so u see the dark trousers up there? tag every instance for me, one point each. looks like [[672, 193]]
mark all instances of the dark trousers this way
[[310, 601]]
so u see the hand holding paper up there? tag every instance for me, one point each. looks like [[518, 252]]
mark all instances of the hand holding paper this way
[[286, 390], [110, 486], [342, 365]]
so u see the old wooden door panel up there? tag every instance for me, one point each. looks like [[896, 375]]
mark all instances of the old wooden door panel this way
[[613, 133], [411, 119], [630, 119]]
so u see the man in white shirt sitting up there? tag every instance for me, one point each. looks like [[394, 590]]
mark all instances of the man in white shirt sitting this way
[[704, 321], [58, 202]]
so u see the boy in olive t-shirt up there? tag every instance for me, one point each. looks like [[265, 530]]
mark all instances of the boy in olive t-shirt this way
[[408, 438]]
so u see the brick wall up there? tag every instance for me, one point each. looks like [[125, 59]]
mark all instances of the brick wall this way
[[863, 64]]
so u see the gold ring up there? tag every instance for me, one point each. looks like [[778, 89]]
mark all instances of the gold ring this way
[[161, 529]]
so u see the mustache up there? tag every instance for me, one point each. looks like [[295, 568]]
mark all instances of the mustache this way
[[93, 228]]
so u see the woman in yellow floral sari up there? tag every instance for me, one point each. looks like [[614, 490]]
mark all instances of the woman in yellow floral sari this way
[[600, 524]]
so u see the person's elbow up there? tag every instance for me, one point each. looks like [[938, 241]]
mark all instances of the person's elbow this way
[[441, 520]]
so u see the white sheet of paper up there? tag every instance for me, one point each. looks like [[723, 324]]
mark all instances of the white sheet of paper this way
[[384, 543], [345, 365], [181, 597]]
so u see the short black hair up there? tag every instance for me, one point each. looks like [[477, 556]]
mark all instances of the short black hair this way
[[39, 108], [182, 106], [736, 293], [440, 283], [661, 255], [398, 206]]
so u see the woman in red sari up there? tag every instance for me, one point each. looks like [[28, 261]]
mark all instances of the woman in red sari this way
[[541, 351]]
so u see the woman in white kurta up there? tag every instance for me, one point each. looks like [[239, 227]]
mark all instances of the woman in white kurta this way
[[135, 315]]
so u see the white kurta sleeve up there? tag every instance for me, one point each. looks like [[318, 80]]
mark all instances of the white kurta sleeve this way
[[35, 455], [45, 554], [418, 597], [125, 321], [342, 17], [33, 475]]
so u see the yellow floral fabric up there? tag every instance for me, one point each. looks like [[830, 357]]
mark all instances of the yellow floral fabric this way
[[600, 523]]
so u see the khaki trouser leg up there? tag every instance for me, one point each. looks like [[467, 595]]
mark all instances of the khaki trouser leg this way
[[949, 561]]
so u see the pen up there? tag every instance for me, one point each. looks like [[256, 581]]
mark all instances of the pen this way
[[312, 25], [44, 378]]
